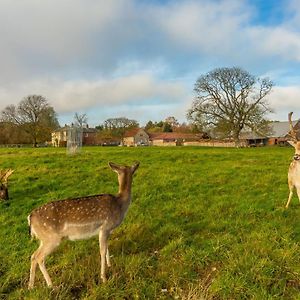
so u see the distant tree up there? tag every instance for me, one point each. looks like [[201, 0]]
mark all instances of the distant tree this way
[[159, 124], [99, 127], [195, 128], [80, 120], [229, 100], [12, 134], [118, 126], [183, 128], [34, 116], [149, 125], [172, 121], [167, 127]]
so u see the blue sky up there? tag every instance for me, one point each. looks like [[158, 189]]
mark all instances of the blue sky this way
[[140, 59]]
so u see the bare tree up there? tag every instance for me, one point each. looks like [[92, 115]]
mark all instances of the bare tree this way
[[116, 127], [80, 120], [172, 121], [34, 116], [229, 100]]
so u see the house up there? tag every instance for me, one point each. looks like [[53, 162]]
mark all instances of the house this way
[[89, 136], [59, 137], [136, 137]]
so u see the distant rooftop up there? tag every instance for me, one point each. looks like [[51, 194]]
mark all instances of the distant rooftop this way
[[280, 129]]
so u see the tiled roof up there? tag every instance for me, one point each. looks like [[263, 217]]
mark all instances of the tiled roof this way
[[164, 135], [132, 132], [84, 129], [174, 136], [277, 130]]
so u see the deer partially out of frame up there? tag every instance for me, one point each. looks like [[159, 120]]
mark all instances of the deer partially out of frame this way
[[80, 218], [3, 183], [294, 169]]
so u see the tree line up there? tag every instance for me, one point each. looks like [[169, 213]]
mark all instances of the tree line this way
[[226, 102]]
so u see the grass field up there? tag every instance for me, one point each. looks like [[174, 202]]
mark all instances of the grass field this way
[[205, 223]]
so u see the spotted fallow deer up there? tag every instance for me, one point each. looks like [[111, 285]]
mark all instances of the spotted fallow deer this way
[[294, 169], [80, 218], [4, 174]]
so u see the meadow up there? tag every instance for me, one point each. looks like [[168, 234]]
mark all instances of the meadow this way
[[204, 223]]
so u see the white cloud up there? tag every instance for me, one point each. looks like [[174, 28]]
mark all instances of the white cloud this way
[[85, 54], [287, 97], [70, 96], [278, 41], [56, 36], [202, 25]]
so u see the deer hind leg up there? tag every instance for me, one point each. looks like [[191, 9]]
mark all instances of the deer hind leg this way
[[33, 266], [38, 257], [103, 238]]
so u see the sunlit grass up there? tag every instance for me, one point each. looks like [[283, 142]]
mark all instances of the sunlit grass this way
[[205, 223]]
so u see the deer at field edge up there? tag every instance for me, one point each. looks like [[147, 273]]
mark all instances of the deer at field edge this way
[[294, 169], [4, 174]]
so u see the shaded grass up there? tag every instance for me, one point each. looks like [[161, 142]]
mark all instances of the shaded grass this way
[[205, 223]]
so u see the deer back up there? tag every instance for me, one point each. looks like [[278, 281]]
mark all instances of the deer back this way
[[77, 218]]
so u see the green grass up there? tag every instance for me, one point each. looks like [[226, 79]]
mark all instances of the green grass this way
[[205, 223]]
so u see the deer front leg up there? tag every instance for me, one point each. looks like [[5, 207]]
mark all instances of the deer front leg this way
[[289, 199], [103, 237], [298, 192], [108, 258]]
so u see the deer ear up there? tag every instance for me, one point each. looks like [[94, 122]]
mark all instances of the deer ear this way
[[292, 143], [114, 166], [135, 166]]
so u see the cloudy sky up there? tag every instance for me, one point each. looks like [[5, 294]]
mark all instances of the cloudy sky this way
[[140, 59]]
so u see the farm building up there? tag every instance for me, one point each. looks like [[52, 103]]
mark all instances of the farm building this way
[[59, 137], [136, 137], [139, 137], [278, 135], [174, 138], [251, 139], [279, 132]]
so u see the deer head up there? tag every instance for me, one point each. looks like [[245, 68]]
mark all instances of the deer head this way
[[293, 136], [4, 174], [124, 176]]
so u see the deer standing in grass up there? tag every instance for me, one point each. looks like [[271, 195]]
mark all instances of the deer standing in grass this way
[[80, 218], [4, 183], [294, 169]]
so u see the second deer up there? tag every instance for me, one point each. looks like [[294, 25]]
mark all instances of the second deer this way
[[294, 169], [4, 183], [80, 218]]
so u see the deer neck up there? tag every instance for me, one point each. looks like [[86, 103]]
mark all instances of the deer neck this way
[[124, 193]]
